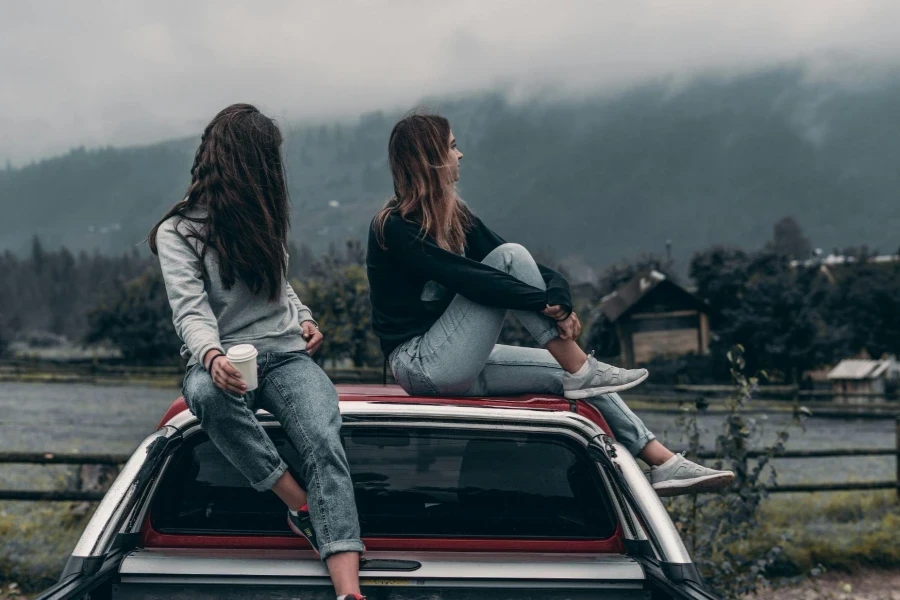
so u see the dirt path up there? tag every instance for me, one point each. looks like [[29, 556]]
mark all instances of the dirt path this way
[[863, 585]]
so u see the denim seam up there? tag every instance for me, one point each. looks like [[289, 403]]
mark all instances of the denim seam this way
[[312, 458], [638, 427], [447, 339], [338, 546], [270, 480], [639, 444], [522, 363], [628, 417], [421, 378], [270, 451], [546, 337]]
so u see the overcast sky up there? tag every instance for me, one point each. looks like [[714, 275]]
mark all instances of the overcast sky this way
[[133, 71]]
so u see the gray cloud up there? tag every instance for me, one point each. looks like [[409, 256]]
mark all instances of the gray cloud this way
[[99, 72]]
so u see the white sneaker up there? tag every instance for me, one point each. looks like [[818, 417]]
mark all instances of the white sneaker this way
[[679, 476], [596, 378]]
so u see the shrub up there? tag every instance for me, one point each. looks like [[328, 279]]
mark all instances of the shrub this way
[[719, 529]]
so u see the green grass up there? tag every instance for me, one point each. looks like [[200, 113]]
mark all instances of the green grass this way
[[842, 531], [37, 540]]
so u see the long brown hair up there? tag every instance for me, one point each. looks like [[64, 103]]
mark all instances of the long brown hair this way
[[424, 190], [238, 178]]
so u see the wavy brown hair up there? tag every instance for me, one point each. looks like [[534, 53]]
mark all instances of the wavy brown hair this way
[[424, 190], [238, 181]]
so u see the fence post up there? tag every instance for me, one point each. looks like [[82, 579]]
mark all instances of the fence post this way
[[897, 453]]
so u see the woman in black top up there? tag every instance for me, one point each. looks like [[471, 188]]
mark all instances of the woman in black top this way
[[441, 283]]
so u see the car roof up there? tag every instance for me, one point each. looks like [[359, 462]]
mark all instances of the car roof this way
[[393, 394]]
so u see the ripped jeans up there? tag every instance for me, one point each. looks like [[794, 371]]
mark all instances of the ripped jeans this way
[[459, 355], [298, 393]]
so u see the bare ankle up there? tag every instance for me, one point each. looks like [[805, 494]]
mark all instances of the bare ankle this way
[[655, 454], [567, 353]]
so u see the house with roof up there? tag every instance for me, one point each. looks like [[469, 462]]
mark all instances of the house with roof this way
[[655, 317], [856, 381]]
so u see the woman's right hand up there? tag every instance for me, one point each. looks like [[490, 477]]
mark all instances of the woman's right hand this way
[[224, 375], [555, 312]]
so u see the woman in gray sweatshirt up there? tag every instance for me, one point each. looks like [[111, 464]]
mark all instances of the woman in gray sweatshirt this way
[[224, 262]]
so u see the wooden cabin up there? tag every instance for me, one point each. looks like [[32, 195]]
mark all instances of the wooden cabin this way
[[656, 317], [857, 381]]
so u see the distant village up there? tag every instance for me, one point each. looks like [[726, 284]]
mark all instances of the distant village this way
[[656, 318], [823, 323]]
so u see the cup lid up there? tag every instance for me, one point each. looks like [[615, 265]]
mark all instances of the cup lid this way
[[241, 352]]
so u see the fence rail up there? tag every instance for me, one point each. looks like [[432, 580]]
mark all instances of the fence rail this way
[[54, 458], [92, 373], [51, 495]]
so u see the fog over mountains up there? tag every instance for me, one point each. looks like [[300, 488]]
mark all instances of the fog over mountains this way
[[588, 181]]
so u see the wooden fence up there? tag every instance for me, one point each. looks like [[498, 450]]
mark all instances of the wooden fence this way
[[47, 458], [90, 372]]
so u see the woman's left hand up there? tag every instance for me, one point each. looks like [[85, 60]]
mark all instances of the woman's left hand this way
[[570, 327], [312, 335]]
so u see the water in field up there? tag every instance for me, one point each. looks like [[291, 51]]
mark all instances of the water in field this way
[[90, 418]]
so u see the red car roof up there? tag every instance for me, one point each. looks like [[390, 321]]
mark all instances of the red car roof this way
[[394, 394]]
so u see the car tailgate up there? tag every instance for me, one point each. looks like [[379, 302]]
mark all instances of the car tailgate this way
[[192, 573]]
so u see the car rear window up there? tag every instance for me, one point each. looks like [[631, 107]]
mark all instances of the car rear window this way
[[408, 483]]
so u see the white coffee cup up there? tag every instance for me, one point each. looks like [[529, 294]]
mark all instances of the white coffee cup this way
[[243, 358]]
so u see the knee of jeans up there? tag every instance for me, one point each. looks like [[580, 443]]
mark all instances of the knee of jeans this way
[[324, 438], [199, 392], [516, 260], [323, 430], [507, 254], [513, 253]]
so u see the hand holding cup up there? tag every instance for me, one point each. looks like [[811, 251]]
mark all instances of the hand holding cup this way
[[225, 376]]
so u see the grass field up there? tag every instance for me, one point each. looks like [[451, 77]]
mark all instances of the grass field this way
[[844, 532]]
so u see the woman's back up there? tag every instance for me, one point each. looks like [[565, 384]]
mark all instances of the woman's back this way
[[222, 248], [206, 314], [396, 292]]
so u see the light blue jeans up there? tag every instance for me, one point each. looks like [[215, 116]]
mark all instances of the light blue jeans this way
[[299, 394], [459, 355]]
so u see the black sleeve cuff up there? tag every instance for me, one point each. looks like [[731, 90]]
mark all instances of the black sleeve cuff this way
[[561, 297]]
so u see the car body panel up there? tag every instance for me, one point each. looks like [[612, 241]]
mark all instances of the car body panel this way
[[119, 547], [469, 566]]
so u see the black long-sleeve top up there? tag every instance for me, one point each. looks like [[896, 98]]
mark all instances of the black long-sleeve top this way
[[398, 275]]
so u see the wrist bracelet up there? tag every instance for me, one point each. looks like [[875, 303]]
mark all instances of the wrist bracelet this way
[[213, 361]]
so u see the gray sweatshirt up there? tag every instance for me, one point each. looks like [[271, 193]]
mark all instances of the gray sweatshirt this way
[[208, 316]]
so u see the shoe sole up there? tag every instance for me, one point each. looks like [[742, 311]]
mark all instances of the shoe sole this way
[[599, 391], [303, 535], [707, 483]]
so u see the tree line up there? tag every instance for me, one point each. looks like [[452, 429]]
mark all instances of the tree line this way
[[789, 317]]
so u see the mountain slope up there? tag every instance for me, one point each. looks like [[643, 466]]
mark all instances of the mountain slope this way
[[592, 180]]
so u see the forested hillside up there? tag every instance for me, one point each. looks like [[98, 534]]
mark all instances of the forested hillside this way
[[588, 181]]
